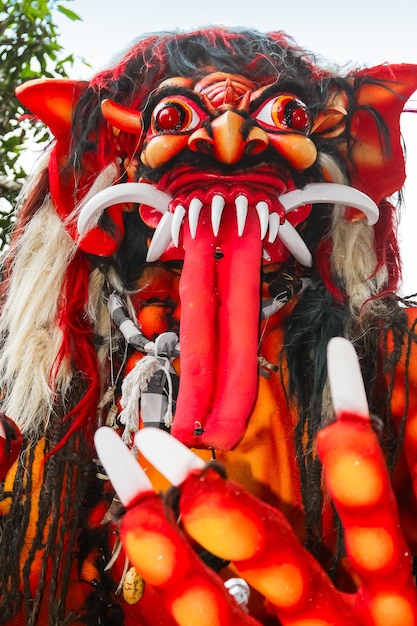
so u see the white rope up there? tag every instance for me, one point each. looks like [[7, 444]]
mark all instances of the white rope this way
[[133, 385]]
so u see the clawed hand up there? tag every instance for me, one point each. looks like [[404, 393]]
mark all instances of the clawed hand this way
[[224, 519]]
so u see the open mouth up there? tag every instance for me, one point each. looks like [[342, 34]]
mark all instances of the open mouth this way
[[200, 197], [274, 228], [223, 229]]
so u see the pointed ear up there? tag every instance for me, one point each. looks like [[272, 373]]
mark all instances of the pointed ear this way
[[376, 159], [52, 100]]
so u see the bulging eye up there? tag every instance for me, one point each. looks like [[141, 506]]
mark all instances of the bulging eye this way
[[285, 113], [174, 115]]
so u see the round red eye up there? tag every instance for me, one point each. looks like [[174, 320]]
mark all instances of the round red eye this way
[[285, 113], [296, 116], [170, 117]]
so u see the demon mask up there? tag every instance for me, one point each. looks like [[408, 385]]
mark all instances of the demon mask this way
[[214, 208]]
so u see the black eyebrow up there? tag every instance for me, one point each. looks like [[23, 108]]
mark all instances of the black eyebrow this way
[[290, 87], [173, 90]]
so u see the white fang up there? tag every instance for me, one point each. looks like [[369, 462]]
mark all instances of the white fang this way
[[217, 206], [241, 204], [274, 222], [295, 244], [193, 215], [263, 214], [176, 224], [161, 238]]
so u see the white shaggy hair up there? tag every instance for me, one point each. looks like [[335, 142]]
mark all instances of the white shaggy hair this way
[[353, 259], [29, 334]]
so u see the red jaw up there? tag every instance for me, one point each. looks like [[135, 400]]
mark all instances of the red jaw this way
[[220, 295]]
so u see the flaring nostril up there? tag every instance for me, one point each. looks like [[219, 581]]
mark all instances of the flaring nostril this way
[[255, 147], [257, 141], [201, 145], [200, 141]]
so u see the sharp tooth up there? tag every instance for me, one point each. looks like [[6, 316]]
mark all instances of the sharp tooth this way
[[217, 206], [193, 215], [241, 204], [295, 244], [161, 238], [274, 223], [265, 255], [263, 214], [176, 224]]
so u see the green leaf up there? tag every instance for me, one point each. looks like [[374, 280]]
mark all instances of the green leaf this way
[[29, 48], [74, 17]]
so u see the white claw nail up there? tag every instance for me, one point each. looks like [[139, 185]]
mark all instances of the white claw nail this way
[[241, 204], [217, 206], [161, 238], [263, 214], [345, 378], [274, 223], [176, 224], [168, 455], [193, 215], [127, 477]]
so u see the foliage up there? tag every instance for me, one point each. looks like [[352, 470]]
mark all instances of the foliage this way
[[29, 48]]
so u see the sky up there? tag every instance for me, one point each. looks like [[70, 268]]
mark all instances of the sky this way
[[348, 33]]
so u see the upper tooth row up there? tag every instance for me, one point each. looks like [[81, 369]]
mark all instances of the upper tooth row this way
[[168, 229], [217, 205]]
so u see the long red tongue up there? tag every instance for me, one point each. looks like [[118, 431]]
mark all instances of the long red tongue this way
[[220, 300]]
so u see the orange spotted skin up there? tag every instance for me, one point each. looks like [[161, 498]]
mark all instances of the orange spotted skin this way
[[262, 545], [359, 483], [190, 591]]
